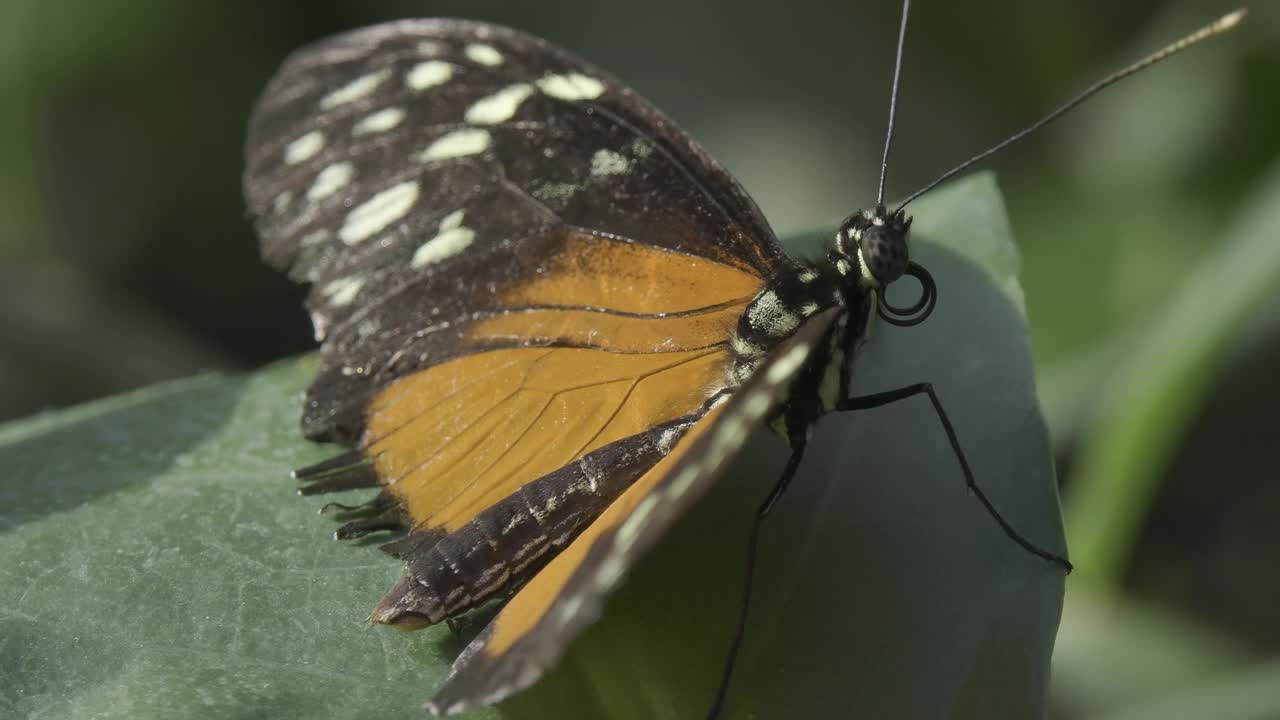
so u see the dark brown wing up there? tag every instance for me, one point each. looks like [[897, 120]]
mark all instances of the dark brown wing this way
[[415, 172]]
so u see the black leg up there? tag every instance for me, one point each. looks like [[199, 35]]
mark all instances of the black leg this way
[[865, 402], [798, 437]]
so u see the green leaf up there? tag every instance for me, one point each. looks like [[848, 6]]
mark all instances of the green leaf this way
[[156, 562]]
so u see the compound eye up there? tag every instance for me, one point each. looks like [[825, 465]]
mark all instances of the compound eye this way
[[884, 250]]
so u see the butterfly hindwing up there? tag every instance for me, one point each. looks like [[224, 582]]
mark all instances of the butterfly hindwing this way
[[534, 628]]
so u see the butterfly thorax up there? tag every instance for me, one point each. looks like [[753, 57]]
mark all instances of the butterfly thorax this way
[[869, 252]]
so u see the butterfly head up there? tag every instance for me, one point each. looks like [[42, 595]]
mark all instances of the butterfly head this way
[[874, 242]]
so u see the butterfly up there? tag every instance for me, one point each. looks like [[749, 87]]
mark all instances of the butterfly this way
[[547, 320]]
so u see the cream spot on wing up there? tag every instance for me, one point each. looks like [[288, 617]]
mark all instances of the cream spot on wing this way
[[282, 201], [343, 290], [571, 87], [758, 404], [556, 195], [381, 121], [569, 608], [483, 54], [315, 237], [354, 90], [610, 571], [304, 148], [731, 433], [331, 180], [320, 325], [500, 106], [467, 141], [429, 74], [683, 480], [608, 162], [378, 212], [630, 529], [451, 239], [429, 48], [453, 219], [785, 367]]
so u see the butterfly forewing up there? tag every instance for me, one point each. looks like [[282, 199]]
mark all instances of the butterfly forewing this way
[[412, 172]]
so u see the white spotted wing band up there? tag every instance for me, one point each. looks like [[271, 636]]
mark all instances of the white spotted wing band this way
[[409, 169]]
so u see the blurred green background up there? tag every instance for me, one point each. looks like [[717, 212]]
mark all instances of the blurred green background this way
[[1150, 223]]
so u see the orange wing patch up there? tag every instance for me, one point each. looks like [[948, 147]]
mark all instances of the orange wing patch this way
[[566, 595], [451, 440], [604, 272], [651, 328], [533, 601], [619, 333]]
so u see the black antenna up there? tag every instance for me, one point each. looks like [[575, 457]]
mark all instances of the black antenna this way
[[893, 102], [1219, 26]]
